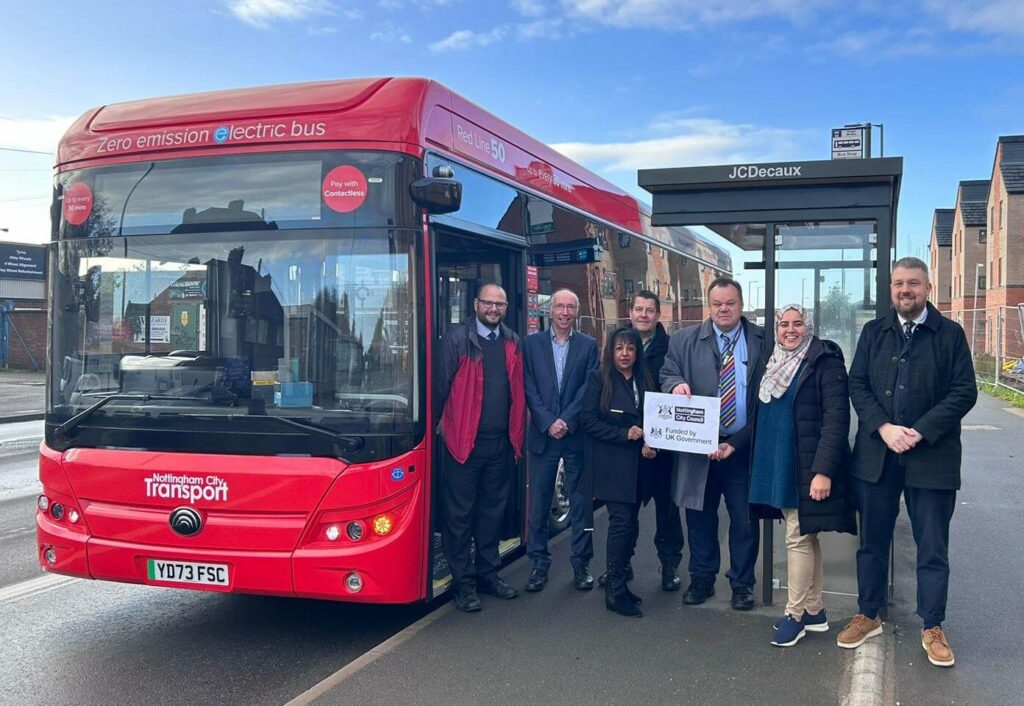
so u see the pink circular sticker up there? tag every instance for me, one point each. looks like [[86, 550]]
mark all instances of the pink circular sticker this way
[[77, 203], [344, 189]]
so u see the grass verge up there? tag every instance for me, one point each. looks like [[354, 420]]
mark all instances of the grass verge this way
[[1013, 397]]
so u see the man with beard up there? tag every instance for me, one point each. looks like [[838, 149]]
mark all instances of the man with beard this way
[[911, 382], [482, 407]]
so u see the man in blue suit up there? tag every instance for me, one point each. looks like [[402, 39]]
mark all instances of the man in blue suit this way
[[557, 363]]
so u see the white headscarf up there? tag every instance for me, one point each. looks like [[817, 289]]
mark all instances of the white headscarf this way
[[782, 366]]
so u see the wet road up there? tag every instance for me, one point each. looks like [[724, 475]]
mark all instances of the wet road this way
[[91, 642]]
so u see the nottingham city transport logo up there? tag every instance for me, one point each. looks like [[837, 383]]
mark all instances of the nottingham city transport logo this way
[[186, 521], [169, 486]]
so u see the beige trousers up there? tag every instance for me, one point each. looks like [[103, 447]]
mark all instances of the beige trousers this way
[[804, 564]]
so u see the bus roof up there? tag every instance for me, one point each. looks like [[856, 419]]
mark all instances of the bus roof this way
[[410, 114]]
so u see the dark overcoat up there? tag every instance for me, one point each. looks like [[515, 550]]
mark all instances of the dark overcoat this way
[[656, 473], [941, 390], [611, 460], [546, 400], [693, 357], [821, 420]]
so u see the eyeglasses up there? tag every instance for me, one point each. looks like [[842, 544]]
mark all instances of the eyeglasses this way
[[500, 306], [564, 307]]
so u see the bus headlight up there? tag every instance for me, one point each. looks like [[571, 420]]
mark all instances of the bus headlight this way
[[354, 582], [355, 530], [44, 503], [50, 555], [57, 511], [333, 533]]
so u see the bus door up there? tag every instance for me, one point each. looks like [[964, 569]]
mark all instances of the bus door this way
[[463, 263]]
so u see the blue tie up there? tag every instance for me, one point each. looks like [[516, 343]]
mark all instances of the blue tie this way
[[493, 336]]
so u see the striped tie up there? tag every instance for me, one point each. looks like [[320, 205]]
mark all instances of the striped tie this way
[[727, 384]]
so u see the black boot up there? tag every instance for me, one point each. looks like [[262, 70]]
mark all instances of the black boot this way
[[633, 598], [616, 598]]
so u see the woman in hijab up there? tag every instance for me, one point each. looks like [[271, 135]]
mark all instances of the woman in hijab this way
[[798, 468]]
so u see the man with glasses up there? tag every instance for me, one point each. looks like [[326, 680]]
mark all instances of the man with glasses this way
[[480, 402], [558, 362]]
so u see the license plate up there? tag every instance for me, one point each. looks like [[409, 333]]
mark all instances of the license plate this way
[[187, 572]]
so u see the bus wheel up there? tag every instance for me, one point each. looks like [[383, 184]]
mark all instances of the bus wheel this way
[[559, 518]]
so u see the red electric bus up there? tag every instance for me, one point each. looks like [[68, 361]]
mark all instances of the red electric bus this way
[[245, 290]]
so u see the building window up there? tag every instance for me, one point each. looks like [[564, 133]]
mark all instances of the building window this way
[[982, 236], [981, 282]]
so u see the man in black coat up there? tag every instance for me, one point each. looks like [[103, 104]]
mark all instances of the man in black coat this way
[[557, 363], [911, 382]]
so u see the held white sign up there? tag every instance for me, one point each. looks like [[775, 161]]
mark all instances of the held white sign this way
[[680, 423]]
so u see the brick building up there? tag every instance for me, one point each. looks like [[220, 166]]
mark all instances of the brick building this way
[[968, 271], [1005, 247], [941, 250], [23, 298]]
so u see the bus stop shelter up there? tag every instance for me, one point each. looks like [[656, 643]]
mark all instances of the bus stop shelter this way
[[820, 233]]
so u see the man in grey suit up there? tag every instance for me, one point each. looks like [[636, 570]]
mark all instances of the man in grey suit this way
[[721, 357], [557, 363]]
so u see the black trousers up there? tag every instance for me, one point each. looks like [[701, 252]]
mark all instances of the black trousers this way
[[930, 512], [622, 532], [474, 495], [726, 479]]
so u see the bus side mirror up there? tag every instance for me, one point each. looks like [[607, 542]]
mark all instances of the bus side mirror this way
[[437, 195]]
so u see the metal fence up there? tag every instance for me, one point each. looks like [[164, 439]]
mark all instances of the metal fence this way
[[996, 337]]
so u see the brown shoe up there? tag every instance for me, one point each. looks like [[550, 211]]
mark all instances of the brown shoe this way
[[936, 647], [858, 630]]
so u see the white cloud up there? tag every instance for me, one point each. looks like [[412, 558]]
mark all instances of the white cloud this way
[[529, 8], [541, 29], [391, 34], [39, 134], [685, 142], [877, 44], [262, 13], [26, 180], [684, 14], [986, 16], [464, 39]]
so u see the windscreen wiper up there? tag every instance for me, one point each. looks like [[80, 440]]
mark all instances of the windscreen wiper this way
[[70, 425], [342, 443]]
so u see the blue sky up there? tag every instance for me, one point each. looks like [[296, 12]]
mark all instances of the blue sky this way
[[616, 85]]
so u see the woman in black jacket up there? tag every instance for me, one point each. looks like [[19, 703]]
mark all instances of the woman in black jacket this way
[[613, 408], [800, 458]]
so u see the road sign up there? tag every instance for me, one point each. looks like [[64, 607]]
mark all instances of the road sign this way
[[851, 142]]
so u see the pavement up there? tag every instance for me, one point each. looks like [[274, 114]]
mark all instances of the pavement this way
[[22, 395], [563, 645]]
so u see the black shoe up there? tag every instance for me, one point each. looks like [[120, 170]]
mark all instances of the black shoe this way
[[538, 580], [698, 592], [466, 599], [621, 605], [670, 579], [633, 598], [583, 580], [494, 586], [603, 578], [743, 599]]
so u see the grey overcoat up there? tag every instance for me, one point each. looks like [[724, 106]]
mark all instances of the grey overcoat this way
[[693, 358]]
